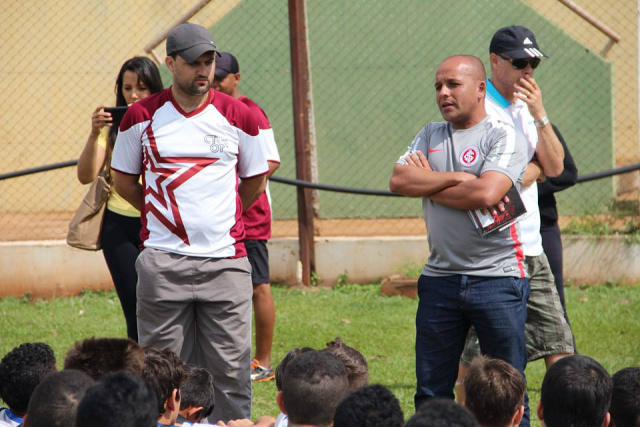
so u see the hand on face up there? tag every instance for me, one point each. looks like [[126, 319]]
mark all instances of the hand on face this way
[[527, 90]]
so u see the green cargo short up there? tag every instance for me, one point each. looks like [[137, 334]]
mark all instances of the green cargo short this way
[[547, 330]]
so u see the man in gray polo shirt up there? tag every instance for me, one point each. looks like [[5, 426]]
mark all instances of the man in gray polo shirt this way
[[469, 162]]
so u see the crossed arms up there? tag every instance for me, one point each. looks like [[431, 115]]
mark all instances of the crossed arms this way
[[458, 190]]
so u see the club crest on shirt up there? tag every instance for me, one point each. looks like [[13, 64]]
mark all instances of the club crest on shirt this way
[[469, 157], [216, 144]]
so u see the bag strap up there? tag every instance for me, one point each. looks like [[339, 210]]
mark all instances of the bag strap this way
[[106, 170]]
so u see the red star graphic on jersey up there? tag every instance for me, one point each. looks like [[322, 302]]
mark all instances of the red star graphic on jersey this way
[[153, 159]]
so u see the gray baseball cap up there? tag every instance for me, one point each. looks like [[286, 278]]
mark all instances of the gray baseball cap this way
[[190, 41]]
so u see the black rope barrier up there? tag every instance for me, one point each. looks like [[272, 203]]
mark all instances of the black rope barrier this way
[[334, 188], [38, 169], [325, 187], [611, 172]]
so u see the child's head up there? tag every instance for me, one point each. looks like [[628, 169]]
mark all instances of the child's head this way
[[494, 392], [292, 354], [118, 399], [164, 372], [442, 413], [313, 385], [576, 391], [370, 406], [21, 370], [354, 362], [625, 399], [54, 403], [197, 394], [98, 356]]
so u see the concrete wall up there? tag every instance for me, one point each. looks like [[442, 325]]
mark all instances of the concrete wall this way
[[54, 269], [50, 268], [597, 259]]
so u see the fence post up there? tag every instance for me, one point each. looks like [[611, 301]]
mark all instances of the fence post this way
[[302, 121]]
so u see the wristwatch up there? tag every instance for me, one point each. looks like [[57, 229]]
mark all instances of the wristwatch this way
[[542, 122]]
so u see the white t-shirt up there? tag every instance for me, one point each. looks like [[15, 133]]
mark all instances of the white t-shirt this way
[[281, 421], [518, 114], [190, 165], [9, 419]]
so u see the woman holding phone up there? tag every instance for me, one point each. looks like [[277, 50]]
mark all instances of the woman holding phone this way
[[138, 78]]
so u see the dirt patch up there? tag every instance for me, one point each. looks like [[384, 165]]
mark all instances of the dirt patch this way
[[354, 227], [53, 226], [34, 226]]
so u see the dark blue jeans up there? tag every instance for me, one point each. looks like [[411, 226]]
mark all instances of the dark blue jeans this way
[[448, 306]]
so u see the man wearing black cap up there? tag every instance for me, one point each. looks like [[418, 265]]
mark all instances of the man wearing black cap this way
[[192, 145], [257, 223], [514, 96]]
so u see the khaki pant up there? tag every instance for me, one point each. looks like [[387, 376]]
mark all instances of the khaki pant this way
[[200, 308], [547, 330]]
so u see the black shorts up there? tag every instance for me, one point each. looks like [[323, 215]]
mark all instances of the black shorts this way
[[259, 258]]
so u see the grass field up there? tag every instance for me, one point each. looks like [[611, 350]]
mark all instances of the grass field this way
[[605, 319]]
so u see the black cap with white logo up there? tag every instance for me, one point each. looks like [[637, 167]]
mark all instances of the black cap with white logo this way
[[190, 41], [516, 42]]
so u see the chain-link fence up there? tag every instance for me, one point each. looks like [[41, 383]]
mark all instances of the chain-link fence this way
[[372, 64]]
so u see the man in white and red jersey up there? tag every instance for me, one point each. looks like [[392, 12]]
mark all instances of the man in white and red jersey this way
[[257, 224], [469, 162], [192, 145], [514, 96]]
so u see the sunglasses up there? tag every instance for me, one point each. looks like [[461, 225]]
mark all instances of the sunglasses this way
[[521, 64]]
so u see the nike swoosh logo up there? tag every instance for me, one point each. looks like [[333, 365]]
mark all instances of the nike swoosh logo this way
[[434, 150]]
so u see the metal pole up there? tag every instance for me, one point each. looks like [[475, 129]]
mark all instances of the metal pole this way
[[592, 20], [151, 46], [181, 20], [300, 76]]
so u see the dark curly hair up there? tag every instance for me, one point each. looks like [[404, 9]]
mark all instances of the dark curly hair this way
[[370, 406], [21, 370], [442, 413]]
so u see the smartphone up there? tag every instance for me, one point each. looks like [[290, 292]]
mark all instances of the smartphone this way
[[116, 114]]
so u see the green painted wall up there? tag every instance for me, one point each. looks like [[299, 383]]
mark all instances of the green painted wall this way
[[372, 71]]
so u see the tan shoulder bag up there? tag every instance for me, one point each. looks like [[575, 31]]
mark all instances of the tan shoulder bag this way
[[86, 226]]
